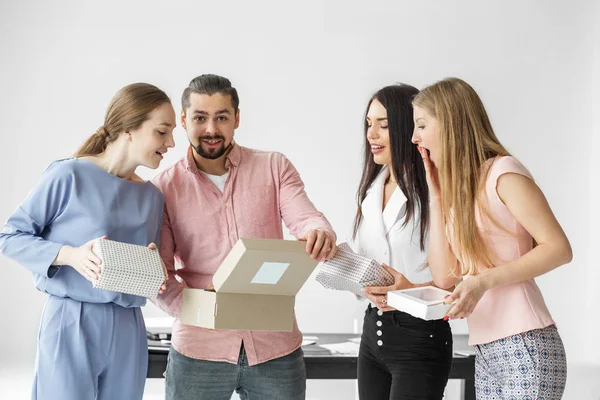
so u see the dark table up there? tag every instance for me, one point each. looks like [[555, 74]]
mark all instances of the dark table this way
[[327, 366]]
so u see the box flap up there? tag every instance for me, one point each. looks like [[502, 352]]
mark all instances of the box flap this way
[[264, 266]]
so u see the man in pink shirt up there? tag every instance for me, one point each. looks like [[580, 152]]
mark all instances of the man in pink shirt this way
[[218, 193]]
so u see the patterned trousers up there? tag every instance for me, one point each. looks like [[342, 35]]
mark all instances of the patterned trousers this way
[[527, 366]]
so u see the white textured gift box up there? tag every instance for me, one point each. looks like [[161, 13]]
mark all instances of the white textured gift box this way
[[129, 268], [423, 302], [351, 272]]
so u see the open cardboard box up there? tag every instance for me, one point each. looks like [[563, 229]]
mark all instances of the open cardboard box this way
[[255, 288], [423, 302]]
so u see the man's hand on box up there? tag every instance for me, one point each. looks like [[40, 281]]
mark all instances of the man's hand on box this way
[[319, 245]]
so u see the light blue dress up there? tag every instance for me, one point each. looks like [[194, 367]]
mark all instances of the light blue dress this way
[[92, 342]]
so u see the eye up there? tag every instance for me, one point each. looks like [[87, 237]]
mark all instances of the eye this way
[[421, 127], [199, 119], [221, 118], [162, 133], [384, 126]]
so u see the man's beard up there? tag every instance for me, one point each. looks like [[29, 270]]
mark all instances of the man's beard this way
[[211, 154]]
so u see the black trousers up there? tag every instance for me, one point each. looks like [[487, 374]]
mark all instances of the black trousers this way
[[402, 357]]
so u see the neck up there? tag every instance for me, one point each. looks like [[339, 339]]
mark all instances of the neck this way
[[115, 161], [212, 167], [391, 178]]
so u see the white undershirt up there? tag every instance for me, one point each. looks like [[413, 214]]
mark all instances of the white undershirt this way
[[218, 180]]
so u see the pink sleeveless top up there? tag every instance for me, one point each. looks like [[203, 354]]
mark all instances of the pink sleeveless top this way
[[506, 310]]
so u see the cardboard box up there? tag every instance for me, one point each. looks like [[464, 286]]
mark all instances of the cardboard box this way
[[351, 272], [255, 288], [423, 302], [129, 268]]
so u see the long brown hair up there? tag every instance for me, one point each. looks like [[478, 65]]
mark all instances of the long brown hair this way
[[406, 161], [467, 142], [128, 110]]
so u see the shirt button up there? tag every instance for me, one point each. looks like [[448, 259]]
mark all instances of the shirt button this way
[[379, 323], [379, 333], [379, 312], [379, 343]]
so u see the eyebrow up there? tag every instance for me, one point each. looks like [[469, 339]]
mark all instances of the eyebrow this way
[[419, 119], [379, 119], [167, 124], [223, 111]]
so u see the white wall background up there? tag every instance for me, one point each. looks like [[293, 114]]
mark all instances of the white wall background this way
[[593, 265], [304, 72]]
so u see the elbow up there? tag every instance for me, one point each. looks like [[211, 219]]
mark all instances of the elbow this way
[[446, 282]]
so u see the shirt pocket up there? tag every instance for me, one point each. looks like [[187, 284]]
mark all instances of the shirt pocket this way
[[256, 206]]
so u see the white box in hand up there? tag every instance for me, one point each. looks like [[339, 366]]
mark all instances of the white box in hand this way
[[129, 268], [423, 302], [351, 272]]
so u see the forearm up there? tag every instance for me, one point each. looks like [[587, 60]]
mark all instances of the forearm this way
[[542, 259], [442, 261]]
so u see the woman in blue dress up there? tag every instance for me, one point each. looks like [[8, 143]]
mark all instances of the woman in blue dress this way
[[92, 342]]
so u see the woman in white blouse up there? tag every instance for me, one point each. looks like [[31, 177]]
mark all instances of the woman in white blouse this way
[[400, 357]]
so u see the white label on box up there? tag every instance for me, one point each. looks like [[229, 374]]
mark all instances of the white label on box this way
[[270, 273]]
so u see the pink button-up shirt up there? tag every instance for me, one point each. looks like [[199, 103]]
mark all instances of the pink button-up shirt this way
[[201, 225]]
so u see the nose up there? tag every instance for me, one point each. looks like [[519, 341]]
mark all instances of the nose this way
[[211, 127], [170, 141], [415, 137], [372, 133]]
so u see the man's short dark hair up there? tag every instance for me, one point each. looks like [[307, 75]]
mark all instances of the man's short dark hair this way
[[210, 84]]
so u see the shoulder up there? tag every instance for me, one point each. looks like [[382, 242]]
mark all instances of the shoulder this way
[[63, 169], [255, 155], [505, 165], [516, 173]]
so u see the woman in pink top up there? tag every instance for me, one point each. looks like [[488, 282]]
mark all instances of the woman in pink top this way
[[491, 224]]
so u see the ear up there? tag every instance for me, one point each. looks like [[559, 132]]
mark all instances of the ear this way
[[183, 119], [237, 119]]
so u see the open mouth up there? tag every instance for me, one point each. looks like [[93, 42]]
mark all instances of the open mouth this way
[[375, 148], [212, 142]]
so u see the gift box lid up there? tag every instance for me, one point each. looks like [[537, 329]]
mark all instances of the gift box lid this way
[[264, 266]]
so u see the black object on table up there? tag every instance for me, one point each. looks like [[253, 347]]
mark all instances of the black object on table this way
[[321, 364]]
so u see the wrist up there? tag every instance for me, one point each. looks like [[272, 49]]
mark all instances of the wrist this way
[[485, 280], [64, 255]]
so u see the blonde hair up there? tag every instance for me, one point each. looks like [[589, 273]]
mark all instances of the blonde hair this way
[[128, 110], [467, 142]]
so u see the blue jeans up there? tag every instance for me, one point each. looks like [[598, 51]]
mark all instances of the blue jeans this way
[[282, 378]]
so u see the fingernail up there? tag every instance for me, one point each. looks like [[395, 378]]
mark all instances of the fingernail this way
[[462, 317], [446, 296], [446, 318]]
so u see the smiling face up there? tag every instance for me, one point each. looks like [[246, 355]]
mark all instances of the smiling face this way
[[378, 133], [154, 137], [210, 122], [426, 134]]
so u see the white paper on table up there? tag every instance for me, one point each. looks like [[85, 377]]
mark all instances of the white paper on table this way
[[306, 340], [349, 349]]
